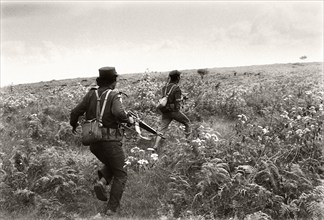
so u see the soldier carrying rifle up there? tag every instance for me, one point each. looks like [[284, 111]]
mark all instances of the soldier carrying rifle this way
[[109, 150], [172, 111]]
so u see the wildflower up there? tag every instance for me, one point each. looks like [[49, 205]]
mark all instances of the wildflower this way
[[285, 112], [298, 117], [196, 140], [142, 162], [306, 118], [308, 92], [214, 136], [265, 130], [306, 130], [285, 116], [154, 156], [131, 158], [135, 149], [299, 132], [312, 109]]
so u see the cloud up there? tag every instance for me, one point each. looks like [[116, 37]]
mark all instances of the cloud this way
[[31, 9]]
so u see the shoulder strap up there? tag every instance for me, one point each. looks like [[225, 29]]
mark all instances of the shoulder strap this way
[[98, 104], [170, 90], [104, 105]]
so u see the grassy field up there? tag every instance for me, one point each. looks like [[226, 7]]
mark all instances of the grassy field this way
[[256, 151]]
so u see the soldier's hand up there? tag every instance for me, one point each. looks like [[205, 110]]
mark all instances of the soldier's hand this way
[[131, 121], [74, 131]]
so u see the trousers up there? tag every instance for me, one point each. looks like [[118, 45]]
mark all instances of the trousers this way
[[111, 154], [178, 116], [167, 118]]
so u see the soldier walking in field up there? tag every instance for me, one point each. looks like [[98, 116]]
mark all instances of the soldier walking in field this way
[[109, 150], [172, 109]]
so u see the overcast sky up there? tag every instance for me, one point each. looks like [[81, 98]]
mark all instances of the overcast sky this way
[[45, 40]]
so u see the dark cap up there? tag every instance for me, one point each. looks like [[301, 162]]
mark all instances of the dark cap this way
[[174, 73], [107, 72]]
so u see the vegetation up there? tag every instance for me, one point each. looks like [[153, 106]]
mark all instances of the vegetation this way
[[256, 151]]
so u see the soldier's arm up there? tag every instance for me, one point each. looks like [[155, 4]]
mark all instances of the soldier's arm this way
[[118, 110], [79, 110], [177, 97]]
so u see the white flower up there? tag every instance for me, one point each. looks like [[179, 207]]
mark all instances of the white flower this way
[[308, 92], [298, 117], [131, 158], [299, 132], [134, 149], [196, 140], [306, 130], [284, 116], [264, 130], [142, 162], [214, 136], [154, 156]]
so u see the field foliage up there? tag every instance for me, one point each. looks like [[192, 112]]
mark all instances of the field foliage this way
[[256, 151]]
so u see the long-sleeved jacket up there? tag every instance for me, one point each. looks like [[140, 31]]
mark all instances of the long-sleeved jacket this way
[[114, 112], [174, 99]]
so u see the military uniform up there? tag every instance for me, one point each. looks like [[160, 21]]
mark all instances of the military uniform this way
[[109, 151], [172, 109]]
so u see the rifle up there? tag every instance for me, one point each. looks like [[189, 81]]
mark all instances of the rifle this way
[[141, 124]]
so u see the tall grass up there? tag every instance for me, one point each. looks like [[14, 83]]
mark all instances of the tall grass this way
[[256, 151]]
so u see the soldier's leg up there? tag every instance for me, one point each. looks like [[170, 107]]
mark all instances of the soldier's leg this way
[[117, 163], [105, 174], [165, 122], [183, 119]]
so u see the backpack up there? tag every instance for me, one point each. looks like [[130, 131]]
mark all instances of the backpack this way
[[164, 100], [92, 129]]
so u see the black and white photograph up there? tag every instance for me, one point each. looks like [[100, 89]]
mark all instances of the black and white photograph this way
[[161, 110]]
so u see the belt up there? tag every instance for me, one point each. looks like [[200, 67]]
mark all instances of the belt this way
[[112, 134]]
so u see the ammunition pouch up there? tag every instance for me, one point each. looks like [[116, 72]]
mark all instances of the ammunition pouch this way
[[112, 134]]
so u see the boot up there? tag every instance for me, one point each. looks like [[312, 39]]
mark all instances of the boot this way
[[100, 190]]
